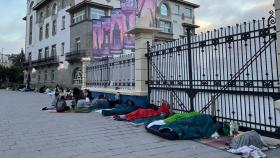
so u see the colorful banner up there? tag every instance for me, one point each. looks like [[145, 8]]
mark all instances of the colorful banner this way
[[147, 10], [117, 31], [129, 21], [97, 36], [106, 36]]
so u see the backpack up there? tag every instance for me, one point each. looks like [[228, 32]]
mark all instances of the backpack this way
[[61, 106]]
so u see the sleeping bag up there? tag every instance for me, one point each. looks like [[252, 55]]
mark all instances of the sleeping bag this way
[[119, 109], [192, 128]]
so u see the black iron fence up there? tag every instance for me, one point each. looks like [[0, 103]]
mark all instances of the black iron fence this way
[[230, 72], [112, 72]]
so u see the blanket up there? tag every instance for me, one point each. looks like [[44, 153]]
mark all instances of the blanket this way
[[119, 109], [100, 105], [181, 116], [145, 113]]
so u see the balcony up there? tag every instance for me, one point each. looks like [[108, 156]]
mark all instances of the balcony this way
[[46, 61], [77, 55]]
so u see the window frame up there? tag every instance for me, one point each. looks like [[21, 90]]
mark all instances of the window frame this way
[[161, 9], [54, 9], [53, 50], [47, 30], [190, 15], [54, 27], [164, 28], [176, 8]]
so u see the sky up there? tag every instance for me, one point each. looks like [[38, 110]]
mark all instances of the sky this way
[[211, 14]]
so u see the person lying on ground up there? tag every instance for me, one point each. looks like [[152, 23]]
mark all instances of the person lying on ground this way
[[121, 109], [164, 110]]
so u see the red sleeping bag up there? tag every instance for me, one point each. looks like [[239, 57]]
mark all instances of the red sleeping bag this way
[[144, 113]]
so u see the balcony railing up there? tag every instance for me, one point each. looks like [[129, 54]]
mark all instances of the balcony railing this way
[[46, 61], [76, 55]]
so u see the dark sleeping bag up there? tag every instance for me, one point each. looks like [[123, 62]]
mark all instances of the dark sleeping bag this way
[[119, 109], [188, 129], [167, 134]]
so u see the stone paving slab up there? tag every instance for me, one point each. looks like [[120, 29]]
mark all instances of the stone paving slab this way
[[28, 132]]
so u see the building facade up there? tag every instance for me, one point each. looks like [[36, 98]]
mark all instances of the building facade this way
[[59, 35], [4, 60]]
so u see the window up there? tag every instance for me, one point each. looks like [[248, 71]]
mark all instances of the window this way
[[188, 12], [47, 30], [48, 11], [62, 49], [165, 26], [63, 4], [52, 75], [63, 23], [41, 33], [54, 28], [41, 17], [164, 9], [45, 76], [78, 44], [79, 16], [30, 29], [176, 9], [40, 54], [96, 13], [54, 9], [39, 76], [30, 7], [47, 53], [53, 53], [77, 77]]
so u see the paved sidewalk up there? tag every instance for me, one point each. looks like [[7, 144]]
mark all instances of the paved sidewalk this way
[[28, 132]]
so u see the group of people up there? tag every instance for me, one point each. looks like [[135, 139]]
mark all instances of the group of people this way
[[82, 100]]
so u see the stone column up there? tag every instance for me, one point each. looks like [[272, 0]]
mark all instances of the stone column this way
[[277, 17], [142, 36], [85, 63]]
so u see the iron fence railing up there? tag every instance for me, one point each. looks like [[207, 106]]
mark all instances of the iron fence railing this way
[[112, 72], [231, 73]]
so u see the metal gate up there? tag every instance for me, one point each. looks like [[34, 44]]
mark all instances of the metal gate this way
[[230, 73]]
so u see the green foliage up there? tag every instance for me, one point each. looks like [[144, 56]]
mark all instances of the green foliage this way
[[13, 74]]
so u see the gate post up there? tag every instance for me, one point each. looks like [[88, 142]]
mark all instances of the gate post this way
[[143, 34], [277, 17], [85, 63]]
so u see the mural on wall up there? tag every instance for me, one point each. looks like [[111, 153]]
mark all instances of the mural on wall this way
[[116, 31], [128, 8], [109, 33], [147, 11], [97, 36], [106, 36]]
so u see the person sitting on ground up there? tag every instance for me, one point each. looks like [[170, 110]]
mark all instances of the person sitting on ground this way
[[77, 95], [61, 105], [87, 101], [42, 89], [54, 101]]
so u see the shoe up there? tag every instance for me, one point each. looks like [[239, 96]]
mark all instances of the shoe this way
[[45, 108]]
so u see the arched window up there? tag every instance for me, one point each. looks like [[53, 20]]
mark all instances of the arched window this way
[[63, 4], [47, 11], [54, 9], [41, 17], [77, 77], [30, 7], [164, 9]]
